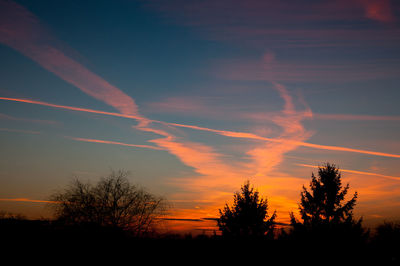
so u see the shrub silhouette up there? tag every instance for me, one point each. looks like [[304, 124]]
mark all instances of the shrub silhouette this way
[[387, 242], [248, 217], [113, 202]]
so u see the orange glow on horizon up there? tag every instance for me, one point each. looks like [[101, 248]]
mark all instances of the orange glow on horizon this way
[[28, 200]]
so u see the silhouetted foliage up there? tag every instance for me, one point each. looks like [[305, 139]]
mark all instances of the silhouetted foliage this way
[[388, 232], [248, 217], [113, 202], [4, 215], [323, 211], [104, 215], [386, 242]]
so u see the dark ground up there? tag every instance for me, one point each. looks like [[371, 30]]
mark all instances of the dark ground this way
[[97, 243]]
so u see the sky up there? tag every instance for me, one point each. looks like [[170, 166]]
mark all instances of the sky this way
[[194, 98]]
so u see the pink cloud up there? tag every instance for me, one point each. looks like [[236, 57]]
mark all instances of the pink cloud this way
[[218, 174], [271, 154], [379, 10], [22, 31]]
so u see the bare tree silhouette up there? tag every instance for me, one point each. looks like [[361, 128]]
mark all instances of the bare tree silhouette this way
[[112, 202], [248, 217]]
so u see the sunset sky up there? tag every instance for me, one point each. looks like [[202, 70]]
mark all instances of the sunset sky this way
[[194, 97]]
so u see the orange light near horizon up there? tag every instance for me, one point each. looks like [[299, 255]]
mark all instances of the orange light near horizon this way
[[29, 200]]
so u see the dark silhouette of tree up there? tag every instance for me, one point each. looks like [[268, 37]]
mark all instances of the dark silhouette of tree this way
[[323, 204], [248, 217], [386, 242], [324, 211], [4, 215], [113, 202]]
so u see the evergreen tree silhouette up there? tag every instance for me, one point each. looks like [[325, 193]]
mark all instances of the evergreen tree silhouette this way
[[324, 212], [248, 217]]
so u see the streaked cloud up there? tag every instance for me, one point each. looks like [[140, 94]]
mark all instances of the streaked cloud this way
[[260, 23], [233, 134]]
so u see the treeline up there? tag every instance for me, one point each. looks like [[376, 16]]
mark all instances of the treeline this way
[[115, 214]]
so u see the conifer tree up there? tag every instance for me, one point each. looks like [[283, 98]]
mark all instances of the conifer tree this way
[[248, 217], [324, 210], [324, 202]]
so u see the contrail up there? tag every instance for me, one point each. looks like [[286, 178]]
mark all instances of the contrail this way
[[356, 172], [232, 134], [79, 109], [116, 143]]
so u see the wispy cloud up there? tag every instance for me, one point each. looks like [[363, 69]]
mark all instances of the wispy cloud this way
[[259, 23], [379, 10], [271, 154], [115, 143]]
